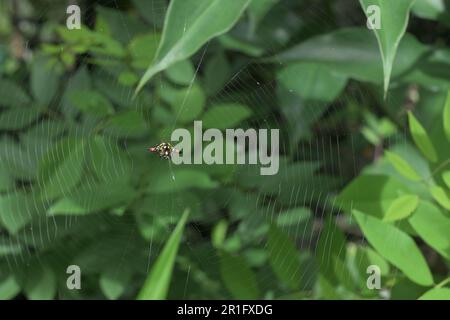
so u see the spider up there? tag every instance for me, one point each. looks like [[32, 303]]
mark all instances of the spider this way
[[164, 150]]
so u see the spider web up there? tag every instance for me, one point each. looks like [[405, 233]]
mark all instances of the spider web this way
[[265, 200]]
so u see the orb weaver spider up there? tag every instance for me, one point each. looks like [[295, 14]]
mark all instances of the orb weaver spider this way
[[164, 150]]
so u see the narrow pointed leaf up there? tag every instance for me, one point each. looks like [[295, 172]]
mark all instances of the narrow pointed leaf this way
[[394, 16], [421, 138], [157, 283]]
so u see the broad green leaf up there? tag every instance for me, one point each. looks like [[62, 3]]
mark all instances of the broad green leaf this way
[[94, 197], [446, 178], [396, 246], [436, 294], [11, 95], [180, 180], [446, 117], [237, 276], [284, 257], [216, 74], [143, 49], [317, 82], [181, 73], [61, 168], [353, 52], [188, 103], [16, 160], [44, 81], [402, 166], [9, 288], [108, 161], [432, 226], [126, 124], [372, 194], [17, 210], [428, 9], [401, 208], [257, 10], [157, 283], [188, 25], [40, 283], [10, 247], [421, 138], [441, 196], [114, 281], [18, 118], [394, 17], [91, 102], [225, 116], [6, 182]]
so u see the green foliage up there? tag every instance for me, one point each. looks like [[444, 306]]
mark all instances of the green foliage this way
[[364, 172]]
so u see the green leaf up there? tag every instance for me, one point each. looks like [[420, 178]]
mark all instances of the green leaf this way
[[114, 281], [217, 72], [44, 81], [421, 138], [372, 194], [188, 25], [219, 233], [11, 95], [18, 118], [61, 168], [394, 17], [157, 283], [436, 294], [188, 103], [181, 73], [108, 161], [401, 208], [91, 102], [126, 124], [237, 276], [441, 196], [225, 116], [143, 49], [284, 258], [17, 210], [428, 9], [317, 81], [402, 166], [446, 178], [257, 10], [9, 288], [353, 52], [94, 197], [396, 246], [293, 217], [330, 250], [182, 179], [433, 227], [16, 160], [40, 283], [447, 117]]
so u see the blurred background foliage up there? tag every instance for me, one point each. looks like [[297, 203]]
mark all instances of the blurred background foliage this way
[[364, 174]]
